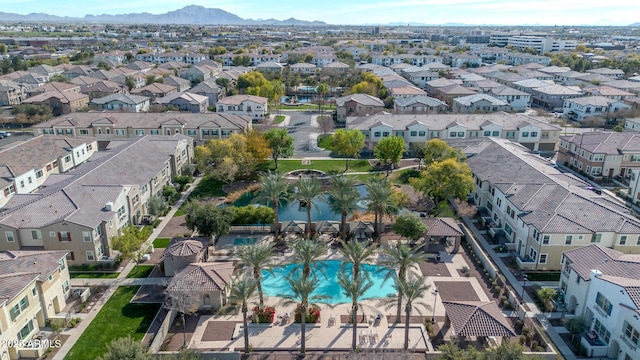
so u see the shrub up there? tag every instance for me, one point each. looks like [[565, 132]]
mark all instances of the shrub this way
[[523, 339], [182, 180], [534, 344], [497, 288], [313, 314], [540, 349], [519, 324], [74, 321], [265, 315], [170, 193], [464, 270], [506, 304]]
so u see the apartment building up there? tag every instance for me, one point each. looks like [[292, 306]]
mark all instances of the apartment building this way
[[541, 44], [82, 210], [357, 105], [552, 97], [531, 132], [112, 126], [35, 287], [579, 109], [539, 212], [252, 106], [601, 285]]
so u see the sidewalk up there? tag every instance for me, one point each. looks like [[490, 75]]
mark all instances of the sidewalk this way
[[113, 284]]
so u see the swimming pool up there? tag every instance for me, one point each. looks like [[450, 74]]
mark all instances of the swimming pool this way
[[244, 241], [276, 284]]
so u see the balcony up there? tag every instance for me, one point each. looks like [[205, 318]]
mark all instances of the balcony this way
[[595, 346], [526, 263]]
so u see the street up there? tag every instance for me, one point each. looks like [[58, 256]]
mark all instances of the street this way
[[300, 129]]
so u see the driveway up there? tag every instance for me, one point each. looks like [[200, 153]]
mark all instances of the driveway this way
[[301, 129]]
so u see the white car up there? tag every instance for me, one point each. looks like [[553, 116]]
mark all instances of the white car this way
[[4, 134]]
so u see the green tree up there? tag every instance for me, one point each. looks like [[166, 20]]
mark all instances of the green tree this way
[[126, 348], [547, 295], [322, 89], [130, 82], [417, 150], [413, 291], [355, 253], [389, 151], [506, 351], [281, 144], [354, 289], [242, 292], [306, 255], [254, 259], [379, 196], [445, 178], [31, 114], [207, 219], [129, 243], [279, 91], [402, 257], [157, 205], [575, 326], [451, 351], [301, 288], [410, 226], [3, 49], [438, 150], [58, 78], [343, 199], [307, 190], [347, 143], [273, 189]]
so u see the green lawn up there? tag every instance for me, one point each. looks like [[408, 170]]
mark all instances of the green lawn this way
[[305, 107], [118, 318], [94, 275], [208, 187], [140, 271], [278, 119], [161, 243], [323, 165], [403, 176], [324, 141]]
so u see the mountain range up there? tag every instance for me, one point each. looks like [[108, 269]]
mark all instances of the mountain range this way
[[188, 15]]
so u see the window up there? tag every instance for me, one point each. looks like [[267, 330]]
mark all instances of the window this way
[[225, 132], [545, 239], [205, 132], [70, 256], [136, 200], [90, 256], [139, 132], [422, 133], [487, 133], [34, 292], [495, 133], [67, 158], [511, 134], [61, 264], [121, 209], [413, 133], [631, 333], [568, 240], [623, 240], [534, 134], [9, 235], [86, 236], [533, 254], [543, 258], [21, 183], [18, 308], [154, 132], [435, 134], [191, 132], [64, 236], [65, 286], [602, 331], [39, 174], [84, 132], [452, 134], [525, 134], [603, 303], [385, 134], [119, 131], [26, 330], [36, 234], [596, 238], [638, 241]]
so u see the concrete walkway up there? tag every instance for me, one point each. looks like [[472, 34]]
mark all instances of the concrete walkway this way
[[516, 284], [121, 280]]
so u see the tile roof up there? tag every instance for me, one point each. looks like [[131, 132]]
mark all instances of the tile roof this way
[[124, 98], [19, 268], [441, 226], [37, 152], [183, 247], [600, 142], [608, 261], [206, 277], [472, 99], [474, 318], [363, 99], [239, 99]]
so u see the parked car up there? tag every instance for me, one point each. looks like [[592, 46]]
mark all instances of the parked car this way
[[595, 190], [4, 134]]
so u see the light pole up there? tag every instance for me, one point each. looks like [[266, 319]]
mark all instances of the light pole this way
[[524, 283], [435, 297]]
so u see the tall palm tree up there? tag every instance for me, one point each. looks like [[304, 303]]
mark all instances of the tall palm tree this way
[[379, 201], [354, 289], [356, 254], [322, 90], [254, 259], [242, 293], [307, 190], [273, 189], [306, 254], [402, 257], [413, 291], [343, 199], [301, 288]]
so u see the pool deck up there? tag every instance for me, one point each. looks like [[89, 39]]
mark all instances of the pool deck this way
[[331, 333]]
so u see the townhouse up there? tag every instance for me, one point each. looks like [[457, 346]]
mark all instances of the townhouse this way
[[25, 166], [60, 102], [209, 89], [600, 154], [531, 132], [181, 84], [519, 100], [552, 97], [611, 73], [419, 105], [579, 109], [185, 101], [303, 68], [11, 93], [155, 91], [357, 105], [610, 92], [122, 102], [112, 126], [419, 76], [540, 212], [602, 285], [252, 106], [35, 288], [82, 210], [479, 103]]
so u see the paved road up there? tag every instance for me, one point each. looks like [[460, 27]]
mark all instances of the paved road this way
[[13, 138], [301, 129]]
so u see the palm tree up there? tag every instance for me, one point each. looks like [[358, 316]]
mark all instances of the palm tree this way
[[322, 90], [242, 292], [301, 288], [413, 291], [273, 188], [306, 255], [307, 190], [356, 254], [379, 200], [343, 199], [402, 257], [254, 259], [354, 288]]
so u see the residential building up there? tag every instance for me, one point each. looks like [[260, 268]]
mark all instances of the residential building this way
[[601, 285], [357, 105], [540, 212], [60, 102], [528, 85], [110, 126], [519, 100], [247, 105], [449, 93], [610, 92], [336, 67], [535, 134], [270, 67], [419, 105], [552, 97], [35, 288], [632, 124], [303, 68], [579, 109], [612, 73], [82, 210], [601, 154], [185, 101], [479, 103], [155, 91], [11, 93], [402, 91], [209, 89], [122, 102], [180, 83], [541, 44]]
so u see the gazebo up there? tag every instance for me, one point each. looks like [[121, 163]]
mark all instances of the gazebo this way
[[361, 230], [296, 227], [476, 319], [446, 229], [328, 227]]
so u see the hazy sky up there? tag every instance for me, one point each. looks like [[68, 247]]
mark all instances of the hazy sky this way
[[508, 12]]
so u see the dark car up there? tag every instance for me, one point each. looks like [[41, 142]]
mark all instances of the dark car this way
[[595, 190]]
